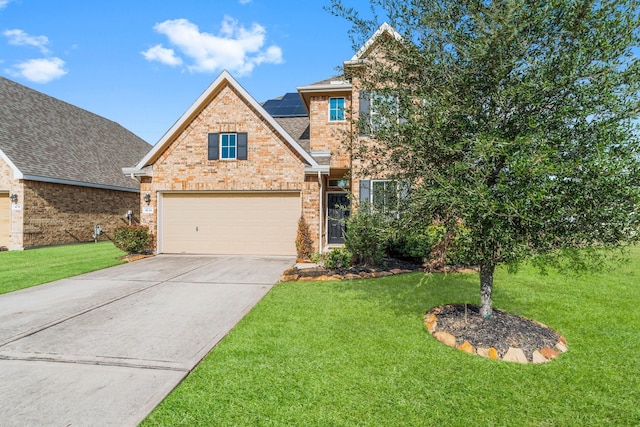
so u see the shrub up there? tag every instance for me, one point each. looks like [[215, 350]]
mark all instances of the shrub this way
[[414, 245], [133, 239], [458, 246], [304, 243], [337, 258], [365, 236]]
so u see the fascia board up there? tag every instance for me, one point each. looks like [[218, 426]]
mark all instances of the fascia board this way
[[384, 28], [78, 183], [17, 174]]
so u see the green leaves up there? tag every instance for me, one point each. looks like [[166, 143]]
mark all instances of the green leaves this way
[[520, 121]]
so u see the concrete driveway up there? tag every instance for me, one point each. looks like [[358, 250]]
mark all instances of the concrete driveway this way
[[104, 348]]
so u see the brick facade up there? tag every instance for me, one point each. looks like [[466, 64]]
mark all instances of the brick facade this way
[[54, 214], [271, 165]]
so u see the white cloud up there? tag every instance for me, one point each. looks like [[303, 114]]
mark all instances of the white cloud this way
[[20, 38], [244, 1], [4, 3], [236, 48], [163, 55], [40, 70]]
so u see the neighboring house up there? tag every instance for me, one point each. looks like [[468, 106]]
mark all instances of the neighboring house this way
[[233, 176], [61, 171]]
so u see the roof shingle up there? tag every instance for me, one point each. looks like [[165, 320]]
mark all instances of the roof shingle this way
[[49, 139]]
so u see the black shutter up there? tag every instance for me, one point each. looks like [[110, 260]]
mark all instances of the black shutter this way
[[365, 113], [242, 146], [213, 146]]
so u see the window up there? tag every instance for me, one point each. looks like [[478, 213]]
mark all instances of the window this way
[[227, 146], [384, 196], [378, 111], [336, 109]]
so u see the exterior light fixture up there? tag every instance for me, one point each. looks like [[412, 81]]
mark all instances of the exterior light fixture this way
[[147, 198], [14, 198]]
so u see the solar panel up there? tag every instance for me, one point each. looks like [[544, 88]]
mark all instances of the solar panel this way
[[289, 105]]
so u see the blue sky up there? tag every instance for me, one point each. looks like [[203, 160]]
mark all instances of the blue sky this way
[[142, 63]]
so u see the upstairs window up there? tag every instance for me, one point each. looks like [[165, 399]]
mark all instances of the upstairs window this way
[[227, 146], [378, 111], [336, 109]]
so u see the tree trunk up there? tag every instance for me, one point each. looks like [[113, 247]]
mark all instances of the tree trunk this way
[[486, 290]]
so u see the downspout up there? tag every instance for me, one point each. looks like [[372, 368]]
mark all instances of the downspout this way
[[320, 219]]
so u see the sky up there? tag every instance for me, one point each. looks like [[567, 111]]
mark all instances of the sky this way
[[142, 63]]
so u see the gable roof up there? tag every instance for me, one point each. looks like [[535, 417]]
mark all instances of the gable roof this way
[[45, 139], [363, 52], [214, 88]]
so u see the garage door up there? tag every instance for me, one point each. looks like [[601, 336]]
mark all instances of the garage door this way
[[230, 223]]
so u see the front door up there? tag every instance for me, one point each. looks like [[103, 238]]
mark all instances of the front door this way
[[337, 212]]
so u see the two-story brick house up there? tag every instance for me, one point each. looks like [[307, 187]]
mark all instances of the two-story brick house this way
[[233, 176]]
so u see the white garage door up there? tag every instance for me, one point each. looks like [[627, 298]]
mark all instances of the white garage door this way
[[230, 223]]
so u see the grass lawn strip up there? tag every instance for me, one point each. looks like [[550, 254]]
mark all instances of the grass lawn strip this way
[[357, 353], [23, 269]]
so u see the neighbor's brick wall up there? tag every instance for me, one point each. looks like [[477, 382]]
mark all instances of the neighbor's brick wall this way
[[59, 214], [271, 164], [329, 136]]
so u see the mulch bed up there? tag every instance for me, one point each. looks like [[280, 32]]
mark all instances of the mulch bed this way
[[135, 257], [390, 264], [500, 331]]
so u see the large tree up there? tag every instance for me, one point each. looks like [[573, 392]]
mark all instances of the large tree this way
[[514, 121]]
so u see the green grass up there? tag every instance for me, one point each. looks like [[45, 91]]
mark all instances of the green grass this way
[[357, 354], [23, 269]]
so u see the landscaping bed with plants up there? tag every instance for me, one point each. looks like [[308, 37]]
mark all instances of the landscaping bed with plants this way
[[389, 267]]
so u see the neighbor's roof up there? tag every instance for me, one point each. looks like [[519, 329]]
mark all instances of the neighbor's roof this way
[[45, 139]]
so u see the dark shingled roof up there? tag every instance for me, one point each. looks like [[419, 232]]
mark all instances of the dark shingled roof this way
[[298, 128], [51, 140]]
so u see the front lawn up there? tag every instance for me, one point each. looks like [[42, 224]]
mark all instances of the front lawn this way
[[357, 353], [23, 269]]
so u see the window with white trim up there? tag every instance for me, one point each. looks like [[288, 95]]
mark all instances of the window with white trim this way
[[227, 146], [336, 109], [378, 110], [384, 195]]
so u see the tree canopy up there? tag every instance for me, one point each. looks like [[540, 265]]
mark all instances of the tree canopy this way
[[515, 122]]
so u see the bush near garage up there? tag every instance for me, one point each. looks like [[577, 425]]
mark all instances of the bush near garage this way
[[133, 239]]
